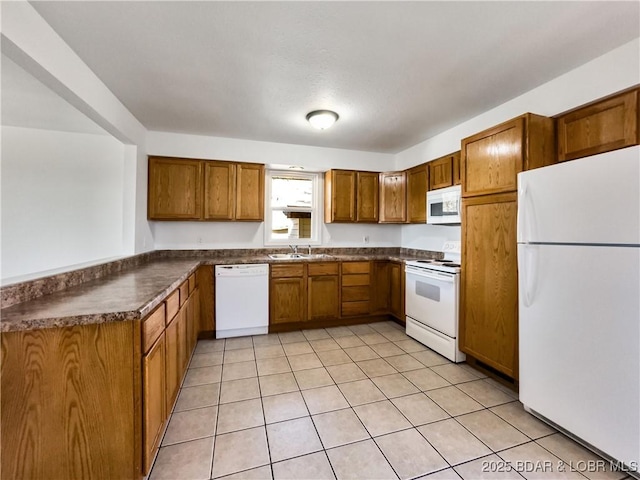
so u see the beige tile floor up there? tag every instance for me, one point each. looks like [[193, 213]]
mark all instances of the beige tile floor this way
[[353, 402]]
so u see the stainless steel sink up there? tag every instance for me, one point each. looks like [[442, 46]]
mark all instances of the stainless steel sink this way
[[298, 256]]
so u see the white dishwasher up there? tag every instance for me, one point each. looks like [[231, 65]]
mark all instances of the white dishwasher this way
[[242, 300]]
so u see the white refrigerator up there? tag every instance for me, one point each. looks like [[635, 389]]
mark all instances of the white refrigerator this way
[[579, 299]]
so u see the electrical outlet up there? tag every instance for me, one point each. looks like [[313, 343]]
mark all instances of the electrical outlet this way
[[365, 239]]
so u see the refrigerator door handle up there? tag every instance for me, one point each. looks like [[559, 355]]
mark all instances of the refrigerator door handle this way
[[530, 274], [526, 214]]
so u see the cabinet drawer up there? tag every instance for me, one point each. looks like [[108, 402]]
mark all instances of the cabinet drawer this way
[[355, 308], [356, 267], [352, 280], [317, 269], [354, 294], [152, 327], [184, 292], [173, 304], [192, 283], [288, 270]]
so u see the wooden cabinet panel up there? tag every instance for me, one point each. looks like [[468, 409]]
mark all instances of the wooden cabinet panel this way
[[329, 268], [355, 280], [69, 399], [184, 291], [249, 192], [417, 186], [323, 299], [356, 293], [396, 279], [287, 270], [456, 168], [152, 327], [367, 197], [340, 196], [356, 267], [173, 364], [192, 282], [492, 159], [393, 197], [206, 299], [489, 282], [175, 189], [173, 305], [380, 287], [441, 172], [287, 300], [219, 190], [354, 309], [600, 127], [154, 410]]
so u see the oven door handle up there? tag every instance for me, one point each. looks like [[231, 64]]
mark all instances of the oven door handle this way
[[421, 273]]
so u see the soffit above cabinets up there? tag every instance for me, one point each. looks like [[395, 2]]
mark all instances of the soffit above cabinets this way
[[396, 72]]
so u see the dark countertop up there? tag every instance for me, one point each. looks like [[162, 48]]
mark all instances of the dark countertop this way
[[132, 293]]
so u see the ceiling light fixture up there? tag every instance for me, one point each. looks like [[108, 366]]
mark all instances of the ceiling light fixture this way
[[322, 119]]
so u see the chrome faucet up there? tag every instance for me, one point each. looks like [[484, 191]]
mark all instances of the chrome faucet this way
[[294, 248], [309, 247]]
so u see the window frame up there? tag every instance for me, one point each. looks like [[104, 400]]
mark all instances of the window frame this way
[[316, 208]]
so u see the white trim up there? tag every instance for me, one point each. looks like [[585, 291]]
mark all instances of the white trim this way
[[316, 208]]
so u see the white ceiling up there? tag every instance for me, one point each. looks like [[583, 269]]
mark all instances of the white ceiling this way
[[396, 72]]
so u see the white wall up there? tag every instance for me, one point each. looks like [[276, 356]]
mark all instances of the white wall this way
[[62, 199], [179, 235], [31, 43], [612, 72]]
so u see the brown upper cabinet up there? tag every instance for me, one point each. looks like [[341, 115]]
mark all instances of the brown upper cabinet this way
[[599, 127], [367, 197], [393, 197], [417, 186], [444, 171], [185, 189], [491, 160], [350, 196], [175, 189]]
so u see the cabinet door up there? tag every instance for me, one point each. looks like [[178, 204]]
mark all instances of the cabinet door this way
[[323, 297], [219, 190], [172, 360], [175, 189], [441, 172], [367, 197], [396, 278], [249, 192], [287, 300], [340, 196], [380, 287], [393, 197], [154, 409], [600, 127], [183, 340], [456, 168], [417, 185], [490, 160], [489, 282]]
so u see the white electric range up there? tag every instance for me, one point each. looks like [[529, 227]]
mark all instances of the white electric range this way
[[432, 301]]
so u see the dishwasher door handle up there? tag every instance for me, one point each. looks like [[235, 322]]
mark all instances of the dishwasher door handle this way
[[251, 270]]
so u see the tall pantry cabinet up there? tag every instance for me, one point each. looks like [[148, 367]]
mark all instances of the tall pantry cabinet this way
[[490, 162]]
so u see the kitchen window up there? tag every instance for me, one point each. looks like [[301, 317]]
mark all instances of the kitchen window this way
[[293, 213]]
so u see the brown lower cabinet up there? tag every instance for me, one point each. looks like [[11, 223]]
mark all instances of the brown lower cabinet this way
[[91, 401], [489, 282], [396, 285], [310, 295]]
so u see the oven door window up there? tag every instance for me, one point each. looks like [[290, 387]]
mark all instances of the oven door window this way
[[428, 291]]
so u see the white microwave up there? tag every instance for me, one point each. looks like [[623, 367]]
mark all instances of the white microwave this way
[[444, 206]]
